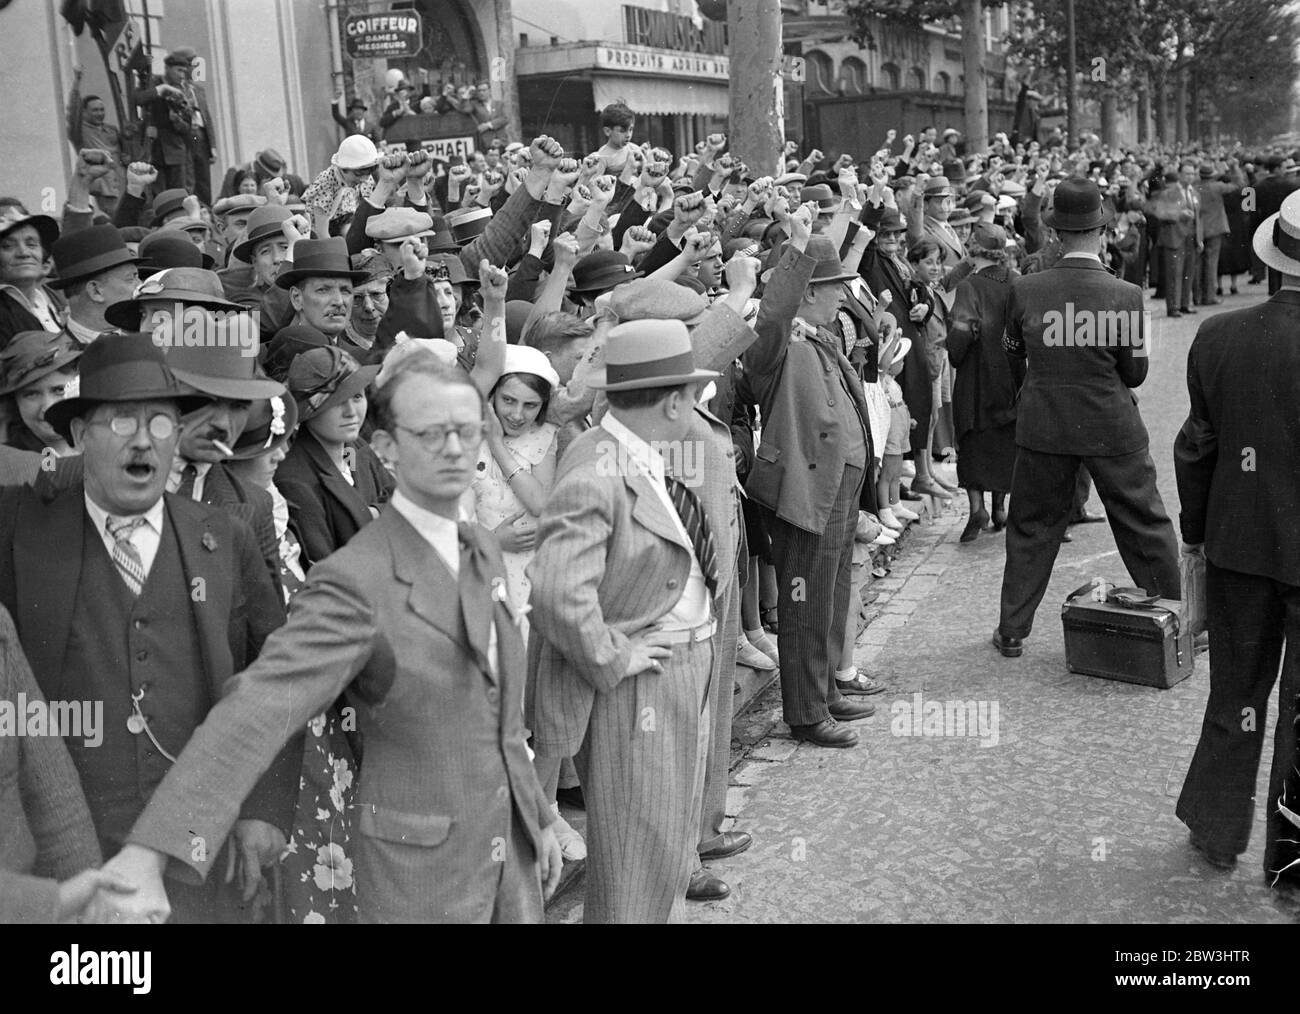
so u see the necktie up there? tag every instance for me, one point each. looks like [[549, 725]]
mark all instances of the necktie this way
[[186, 488], [125, 556], [475, 598], [697, 530]]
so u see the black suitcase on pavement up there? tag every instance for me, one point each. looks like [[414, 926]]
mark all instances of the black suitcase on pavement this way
[[1124, 634]]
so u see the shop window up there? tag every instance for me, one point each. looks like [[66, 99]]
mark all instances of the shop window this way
[[853, 76], [821, 71], [889, 77]]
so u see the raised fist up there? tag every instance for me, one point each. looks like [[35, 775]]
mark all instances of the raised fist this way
[[460, 173], [637, 240], [545, 152], [565, 248], [602, 190], [696, 245], [295, 227], [414, 254], [141, 174], [418, 163], [742, 273], [689, 209], [492, 281]]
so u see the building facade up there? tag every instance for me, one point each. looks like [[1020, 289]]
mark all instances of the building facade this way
[[660, 57], [271, 69]]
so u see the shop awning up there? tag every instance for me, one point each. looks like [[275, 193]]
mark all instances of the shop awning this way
[[657, 96]]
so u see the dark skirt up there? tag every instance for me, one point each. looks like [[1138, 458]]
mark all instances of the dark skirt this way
[[986, 458], [755, 533]]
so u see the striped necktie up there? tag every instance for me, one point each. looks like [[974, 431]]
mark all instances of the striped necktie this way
[[125, 555], [697, 530]]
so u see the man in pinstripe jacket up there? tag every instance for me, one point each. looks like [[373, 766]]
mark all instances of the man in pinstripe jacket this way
[[626, 586]]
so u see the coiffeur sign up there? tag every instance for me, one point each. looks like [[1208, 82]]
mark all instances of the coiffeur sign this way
[[384, 35]]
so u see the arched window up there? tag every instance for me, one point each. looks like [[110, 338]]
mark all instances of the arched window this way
[[853, 76], [821, 71], [942, 83], [889, 77], [916, 80]]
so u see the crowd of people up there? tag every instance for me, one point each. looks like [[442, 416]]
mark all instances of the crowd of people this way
[[386, 508]]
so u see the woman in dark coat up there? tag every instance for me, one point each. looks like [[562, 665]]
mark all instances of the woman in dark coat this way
[[883, 268], [334, 483], [1234, 256], [984, 393]]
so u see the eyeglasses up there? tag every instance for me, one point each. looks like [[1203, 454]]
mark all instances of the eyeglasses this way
[[161, 427], [434, 438]]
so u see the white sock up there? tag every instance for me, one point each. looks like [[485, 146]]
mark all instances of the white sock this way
[[845, 675], [751, 634]]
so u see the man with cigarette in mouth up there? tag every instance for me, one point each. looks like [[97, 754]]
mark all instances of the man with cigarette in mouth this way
[[221, 370], [146, 601]]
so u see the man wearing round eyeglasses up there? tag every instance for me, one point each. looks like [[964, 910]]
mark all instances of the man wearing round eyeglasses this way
[[413, 615], [142, 602]]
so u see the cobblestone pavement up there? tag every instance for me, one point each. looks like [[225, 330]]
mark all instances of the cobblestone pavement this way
[[1062, 811]]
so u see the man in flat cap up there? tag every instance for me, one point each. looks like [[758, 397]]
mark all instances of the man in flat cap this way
[[180, 125]]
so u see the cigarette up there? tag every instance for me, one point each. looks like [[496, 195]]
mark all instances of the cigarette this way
[[223, 448]]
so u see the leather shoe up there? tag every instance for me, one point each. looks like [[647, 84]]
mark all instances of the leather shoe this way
[[1011, 647], [733, 843], [847, 710], [1219, 860], [1186, 309], [704, 886], [1087, 518], [1067, 537], [827, 733], [1174, 313]]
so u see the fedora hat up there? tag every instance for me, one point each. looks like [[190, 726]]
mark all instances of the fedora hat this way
[[601, 270], [187, 285], [117, 368], [648, 353], [321, 378], [181, 56], [223, 366], [447, 267], [319, 258], [1206, 171], [1077, 207], [356, 152], [357, 103], [12, 218], [823, 195], [395, 224], [31, 355], [271, 424], [954, 171], [168, 201], [466, 223], [891, 220], [164, 249], [89, 252], [443, 241], [269, 160], [938, 186], [828, 267], [1277, 239], [264, 223]]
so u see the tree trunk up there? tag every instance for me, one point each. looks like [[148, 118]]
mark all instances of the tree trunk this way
[[502, 70], [1144, 114], [977, 89], [1180, 106], [757, 130], [1161, 110], [1109, 118], [1072, 80]]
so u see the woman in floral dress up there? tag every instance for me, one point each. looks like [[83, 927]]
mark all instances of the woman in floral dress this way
[[315, 871]]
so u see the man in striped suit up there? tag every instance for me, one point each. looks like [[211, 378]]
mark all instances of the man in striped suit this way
[[625, 594]]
